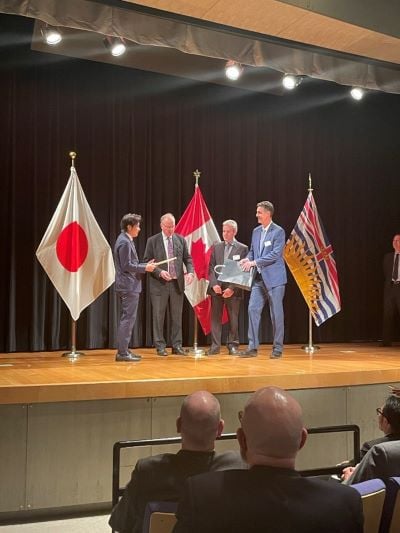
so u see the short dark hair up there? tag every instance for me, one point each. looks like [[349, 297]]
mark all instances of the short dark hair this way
[[391, 411], [130, 219], [268, 206]]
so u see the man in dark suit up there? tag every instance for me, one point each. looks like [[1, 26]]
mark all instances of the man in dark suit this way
[[161, 478], [389, 424], [128, 282], [391, 290], [271, 496], [167, 282], [266, 254], [223, 293]]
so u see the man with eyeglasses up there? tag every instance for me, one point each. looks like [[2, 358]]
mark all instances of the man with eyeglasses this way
[[389, 424], [270, 496], [167, 283]]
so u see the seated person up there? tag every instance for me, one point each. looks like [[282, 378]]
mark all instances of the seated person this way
[[389, 424], [382, 461], [269, 497], [161, 477]]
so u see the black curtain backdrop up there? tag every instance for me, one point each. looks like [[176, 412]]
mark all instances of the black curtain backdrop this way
[[139, 136]]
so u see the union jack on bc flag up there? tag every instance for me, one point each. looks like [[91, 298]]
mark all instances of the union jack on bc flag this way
[[309, 256]]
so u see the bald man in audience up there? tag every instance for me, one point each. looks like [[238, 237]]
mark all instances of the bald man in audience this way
[[271, 496], [161, 477]]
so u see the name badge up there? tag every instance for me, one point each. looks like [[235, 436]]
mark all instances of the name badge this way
[[236, 257], [267, 243]]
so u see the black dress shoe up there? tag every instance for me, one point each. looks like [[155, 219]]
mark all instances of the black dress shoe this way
[[248, 353], [233, 350], [128, 357], [178, 350], [276, 354], [213, 351], [162, 352]]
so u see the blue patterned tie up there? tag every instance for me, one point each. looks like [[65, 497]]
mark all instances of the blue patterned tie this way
[[171, 264]]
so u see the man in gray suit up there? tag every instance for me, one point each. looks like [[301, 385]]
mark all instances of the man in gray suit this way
[[167, 282], [266, 254], [224, 293], [128, 282]]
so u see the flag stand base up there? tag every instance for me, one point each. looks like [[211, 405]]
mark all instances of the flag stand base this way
[[196, 352], [72, 354], [310, 348]]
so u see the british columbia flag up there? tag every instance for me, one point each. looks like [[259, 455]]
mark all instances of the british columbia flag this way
[[309, 256]]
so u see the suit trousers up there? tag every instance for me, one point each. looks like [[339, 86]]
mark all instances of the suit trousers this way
[[259, 296], [168, 294], [391, 304], [217, 306], [129, 306]]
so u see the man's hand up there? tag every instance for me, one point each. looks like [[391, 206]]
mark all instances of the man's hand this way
[[346, 473], [151, 266], [189, 277], [165, 275], [217, 289], [227, 293], [246, 264]]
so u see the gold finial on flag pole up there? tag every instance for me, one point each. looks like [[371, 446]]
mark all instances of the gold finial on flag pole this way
[[72, 155], [197, 175], [310, 189]]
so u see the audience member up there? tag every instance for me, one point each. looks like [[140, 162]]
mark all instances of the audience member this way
[[271, 496], [389, 424], [161, 477]]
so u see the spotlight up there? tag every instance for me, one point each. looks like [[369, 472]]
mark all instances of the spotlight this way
[[116, 45], [357, 93], [233, 70], [51, 35], [289, 81]]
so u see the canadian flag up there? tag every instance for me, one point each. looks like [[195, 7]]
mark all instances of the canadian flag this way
[[199, 230], [74, 252]]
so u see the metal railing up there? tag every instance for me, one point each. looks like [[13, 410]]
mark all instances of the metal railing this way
[[117, 491]]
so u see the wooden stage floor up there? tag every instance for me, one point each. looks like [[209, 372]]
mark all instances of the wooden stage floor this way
[[48, 377]]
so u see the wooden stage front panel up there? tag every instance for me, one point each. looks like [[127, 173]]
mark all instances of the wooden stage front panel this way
[[49, 377]]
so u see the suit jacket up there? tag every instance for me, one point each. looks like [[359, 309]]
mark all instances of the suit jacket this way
[[161, 478], [382, 461], [155, 250], [270, 260], [268, 500], [388, 260], [370, 443], [239, 251], [128, 270]]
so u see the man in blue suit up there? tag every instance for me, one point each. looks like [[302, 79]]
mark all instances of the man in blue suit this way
[[266, 254], [128, 282]]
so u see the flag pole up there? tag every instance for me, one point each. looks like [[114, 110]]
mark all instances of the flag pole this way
[[73, 354], [310, 347], [196, 351]]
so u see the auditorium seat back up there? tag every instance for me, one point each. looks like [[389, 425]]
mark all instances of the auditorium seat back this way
[[373, 496]]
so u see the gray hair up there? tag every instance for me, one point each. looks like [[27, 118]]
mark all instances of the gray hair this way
[[231, 223], [267, 206]]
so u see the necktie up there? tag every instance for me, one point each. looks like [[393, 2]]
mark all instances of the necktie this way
[[395, 273], [262, 239], [171, 264], [227, 251]]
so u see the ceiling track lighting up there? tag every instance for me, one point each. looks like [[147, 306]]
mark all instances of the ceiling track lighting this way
[[233, 70], [357, 93], [51, 35], [116, 45], [290, 81]]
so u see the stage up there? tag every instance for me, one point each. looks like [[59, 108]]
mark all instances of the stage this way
[[27, 378]]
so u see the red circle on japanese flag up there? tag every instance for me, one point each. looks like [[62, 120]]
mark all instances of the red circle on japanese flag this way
[[72, 247]]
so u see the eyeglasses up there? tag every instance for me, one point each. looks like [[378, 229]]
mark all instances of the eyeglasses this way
[[240, 416], [379, 411]]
